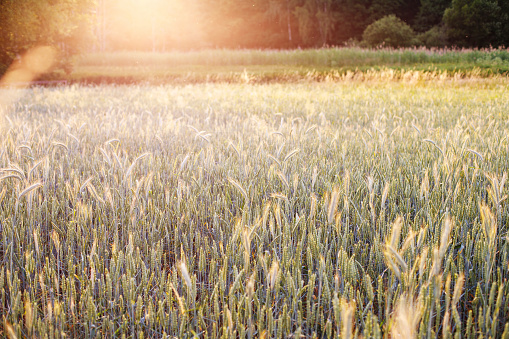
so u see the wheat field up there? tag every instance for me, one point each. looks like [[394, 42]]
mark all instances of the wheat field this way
[[372, 209]]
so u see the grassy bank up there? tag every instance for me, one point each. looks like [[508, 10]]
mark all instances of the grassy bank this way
[[280, 66], [240, 210]]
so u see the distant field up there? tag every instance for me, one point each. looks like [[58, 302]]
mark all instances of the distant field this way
[[374, 208], [276, 66]]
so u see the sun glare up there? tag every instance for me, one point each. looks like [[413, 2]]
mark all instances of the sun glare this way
[[134, 18], [155, 23]]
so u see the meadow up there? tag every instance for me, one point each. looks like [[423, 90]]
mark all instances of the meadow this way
[[276, 66], [372, 208]]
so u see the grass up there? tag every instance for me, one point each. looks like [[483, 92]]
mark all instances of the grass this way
[[373, 208], [326, 57], [265, 66]]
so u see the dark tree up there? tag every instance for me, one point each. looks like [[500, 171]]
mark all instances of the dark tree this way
[[63, 24], [430, 14], [352, 19], [476, 23], [389, 31]]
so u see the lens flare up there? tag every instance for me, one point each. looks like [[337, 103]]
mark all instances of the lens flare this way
[[22, 72], [40, 59], [32, 64]]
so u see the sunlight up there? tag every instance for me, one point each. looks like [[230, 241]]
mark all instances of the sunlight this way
[[154, 24], [134, 19]]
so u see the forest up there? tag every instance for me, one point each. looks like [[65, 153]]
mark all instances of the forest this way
[[156, 25]]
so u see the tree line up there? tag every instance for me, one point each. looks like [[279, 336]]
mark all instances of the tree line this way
[[161, 25], [315, 23]]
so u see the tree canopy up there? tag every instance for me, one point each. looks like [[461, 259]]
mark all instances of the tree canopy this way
[[480, 23], [64, 24]]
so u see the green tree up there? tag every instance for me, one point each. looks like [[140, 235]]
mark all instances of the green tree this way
[[477, 23], [408, 10], [389, 31], [281, 10], [504, 5], [63, 24], [316, 21], [352, 19], [353, 16], [233, 23], [434, 37], [326, 18], [18, 29], [430, 14], [304, 14], [382, 8]]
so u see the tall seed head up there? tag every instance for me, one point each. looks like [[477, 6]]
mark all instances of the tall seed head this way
[[347, 318], [273, 274], [406, 319], [185, 274], [444, 237], [333, 205]]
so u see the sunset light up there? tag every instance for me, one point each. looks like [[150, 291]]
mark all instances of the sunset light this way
[[155, 24]]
